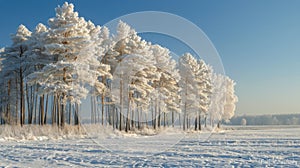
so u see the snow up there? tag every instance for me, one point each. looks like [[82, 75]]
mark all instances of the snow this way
[[232, 147]]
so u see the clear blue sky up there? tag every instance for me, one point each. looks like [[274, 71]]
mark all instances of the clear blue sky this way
[[258, 41]]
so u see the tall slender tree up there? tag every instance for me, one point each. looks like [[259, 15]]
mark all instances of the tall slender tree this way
[[203, 87], [134, 68], [230, 99], [101, 41], [36, 61], [14, 69], [217, 98], [167, 87], [187, 67]]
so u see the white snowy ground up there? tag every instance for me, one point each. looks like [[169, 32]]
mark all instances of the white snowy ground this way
[[234, 147]]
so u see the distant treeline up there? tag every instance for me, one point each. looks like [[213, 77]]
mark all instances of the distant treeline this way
[[282, 119]]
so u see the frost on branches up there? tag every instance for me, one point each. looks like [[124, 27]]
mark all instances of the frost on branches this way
[[132, 83]]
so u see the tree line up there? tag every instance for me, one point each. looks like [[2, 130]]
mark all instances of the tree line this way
[[131, 83], [279, 119]]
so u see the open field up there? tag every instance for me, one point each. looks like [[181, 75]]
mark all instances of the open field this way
[[235, 146]]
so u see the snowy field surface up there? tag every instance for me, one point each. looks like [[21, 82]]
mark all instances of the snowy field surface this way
[[233, 147]]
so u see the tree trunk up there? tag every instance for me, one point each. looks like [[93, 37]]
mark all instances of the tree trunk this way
[[7, 115], [42, 112], [120, 122], [58, 110], [164, 119], [22, 99], [17, 105], [103, 96], [199, 122], [76, 114], [159, 119], [139, 117], [102, 107], [53, 112], [113, 118], [185, 104], [127, 127], [32, 105], [184, 116], [70, 113], [189, 119], [121, 103], [117, 119], [92, 111], [28, 105], [155, 115], [132, 118], [196, 123], [62, 122], [35, 104], [172, 118], [46, 110]]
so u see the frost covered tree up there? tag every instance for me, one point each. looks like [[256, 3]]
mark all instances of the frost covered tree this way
[[217, 98], [243, 122], [188, 67], [167, 89], [75, 68], [230, 99], [2, 90], [223, 100], [14, 67], [196, 85], [133, 66], [101, 43], [36, 61], [204, 90]]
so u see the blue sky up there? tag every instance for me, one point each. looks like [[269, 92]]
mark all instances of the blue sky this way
[[258, 41]]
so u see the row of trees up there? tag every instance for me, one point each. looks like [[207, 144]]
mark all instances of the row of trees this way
[[131, 83], [280, 119]]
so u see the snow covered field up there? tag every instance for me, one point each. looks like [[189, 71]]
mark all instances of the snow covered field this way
[[236, 146]]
